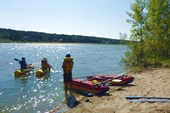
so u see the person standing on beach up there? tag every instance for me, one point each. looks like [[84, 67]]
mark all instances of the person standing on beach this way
[[67, 69]]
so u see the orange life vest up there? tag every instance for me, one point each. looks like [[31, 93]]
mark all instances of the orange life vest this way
[[68, 65]]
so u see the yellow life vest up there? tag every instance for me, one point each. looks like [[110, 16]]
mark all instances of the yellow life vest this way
[[44, 65], [68, 64]]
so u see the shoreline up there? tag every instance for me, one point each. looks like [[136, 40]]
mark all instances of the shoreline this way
[[152, 82], [63, 43]]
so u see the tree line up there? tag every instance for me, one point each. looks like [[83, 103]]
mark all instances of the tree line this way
[[9, 35], [150, 20]]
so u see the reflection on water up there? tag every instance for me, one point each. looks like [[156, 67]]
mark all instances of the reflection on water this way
[[30, 94]]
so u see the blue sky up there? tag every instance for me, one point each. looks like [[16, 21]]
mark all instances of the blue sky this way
[[101, 18]]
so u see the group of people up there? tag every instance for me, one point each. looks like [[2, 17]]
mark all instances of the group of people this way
[[44, 64], [67, 70]]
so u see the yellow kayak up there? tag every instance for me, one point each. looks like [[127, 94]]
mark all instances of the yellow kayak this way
[[40, 73], [21, 73]]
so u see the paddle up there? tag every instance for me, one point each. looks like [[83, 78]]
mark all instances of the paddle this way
[[106, 81], [52, 67], [150, 100], [16, 59], [145, 97]]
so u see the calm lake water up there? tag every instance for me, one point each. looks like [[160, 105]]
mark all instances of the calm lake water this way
[[32, 95]]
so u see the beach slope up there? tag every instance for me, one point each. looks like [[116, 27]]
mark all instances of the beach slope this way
[[153, 82]]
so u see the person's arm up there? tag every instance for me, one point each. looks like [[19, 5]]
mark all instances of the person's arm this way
[[49, 66], [63, 66], [17, 59]]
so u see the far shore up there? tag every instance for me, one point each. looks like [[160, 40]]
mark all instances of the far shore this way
[[61, 43], [152, 82]]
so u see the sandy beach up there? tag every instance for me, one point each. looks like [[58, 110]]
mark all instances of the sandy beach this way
[[153, 82]]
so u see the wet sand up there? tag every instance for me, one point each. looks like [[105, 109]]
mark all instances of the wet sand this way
[[153, 82]]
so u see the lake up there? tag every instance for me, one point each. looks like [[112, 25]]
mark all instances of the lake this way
[[32, 95]]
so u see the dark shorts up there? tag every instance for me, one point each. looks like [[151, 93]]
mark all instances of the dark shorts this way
[[67, 77]]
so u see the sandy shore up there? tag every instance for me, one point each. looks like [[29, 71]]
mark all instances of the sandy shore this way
[[153, 82]]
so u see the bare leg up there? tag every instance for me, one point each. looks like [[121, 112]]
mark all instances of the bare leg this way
[[65, 88], [70, 88]]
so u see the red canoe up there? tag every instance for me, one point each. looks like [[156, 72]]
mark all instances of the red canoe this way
[[114, 79], [88, 86]]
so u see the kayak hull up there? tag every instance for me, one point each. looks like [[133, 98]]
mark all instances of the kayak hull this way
[[88, 86], [125, 79], [40, 73]]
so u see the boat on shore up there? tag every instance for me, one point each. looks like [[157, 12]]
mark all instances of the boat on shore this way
[[88, 86], [112, 79]]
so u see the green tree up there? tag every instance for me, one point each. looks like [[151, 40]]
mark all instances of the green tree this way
[[159, 16], [138, 31], [150, 28]]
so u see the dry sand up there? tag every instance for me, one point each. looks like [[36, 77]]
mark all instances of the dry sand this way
[[153, 82]]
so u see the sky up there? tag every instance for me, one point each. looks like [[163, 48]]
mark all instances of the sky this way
[[100, 18]]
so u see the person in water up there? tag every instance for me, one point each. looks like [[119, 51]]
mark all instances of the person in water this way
[[23, 63], [44, 65], [67, 69]]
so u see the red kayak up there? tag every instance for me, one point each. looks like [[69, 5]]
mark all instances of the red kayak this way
[[112, 79], [89, 86]]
